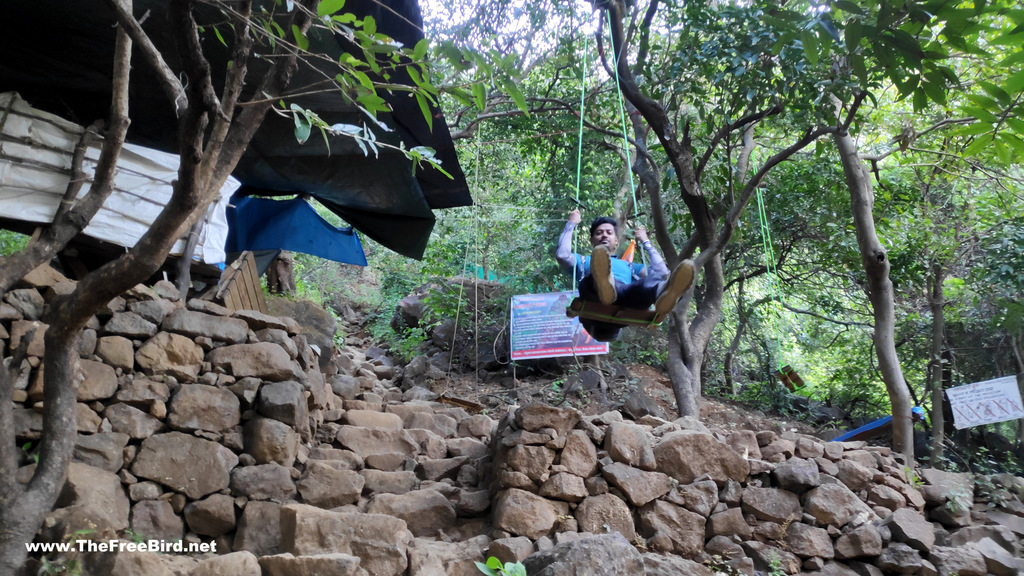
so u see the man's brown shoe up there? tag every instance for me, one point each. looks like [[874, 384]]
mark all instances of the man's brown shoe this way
[[601, 272], [677, 285]]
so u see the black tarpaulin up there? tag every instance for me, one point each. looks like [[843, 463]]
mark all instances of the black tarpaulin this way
[[58, 55]]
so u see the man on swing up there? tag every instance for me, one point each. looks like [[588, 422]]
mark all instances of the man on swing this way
[[607, 279]]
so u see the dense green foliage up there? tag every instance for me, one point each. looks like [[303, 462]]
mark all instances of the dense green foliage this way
[[940, 127]]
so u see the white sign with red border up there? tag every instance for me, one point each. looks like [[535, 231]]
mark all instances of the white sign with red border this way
[[985, 402]]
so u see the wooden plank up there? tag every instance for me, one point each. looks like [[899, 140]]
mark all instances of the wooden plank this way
[[251, 284], [259, 302], [239, 287], [612, 314]]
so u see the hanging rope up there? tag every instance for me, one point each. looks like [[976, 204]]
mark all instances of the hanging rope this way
[[769, 262], [579, 139], [476, 285], [625, 138]]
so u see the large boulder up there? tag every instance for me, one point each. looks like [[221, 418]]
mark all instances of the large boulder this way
[[99, 381], [327, 487], [427, 557], [186, 464], [606, 513], [381, 542], [289, 565], [170, 354], [91, 499], [198, 324], [202, 407], [685, 455], [602, 555], [639, 486], [261, 360], [524, 514], [836, 505], [315, 323], [427, 513], [671, 528]]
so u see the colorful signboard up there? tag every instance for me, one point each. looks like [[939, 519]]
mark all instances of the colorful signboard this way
[[540, 328]]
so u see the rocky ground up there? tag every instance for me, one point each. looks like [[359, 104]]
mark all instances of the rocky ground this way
[[249, 431]]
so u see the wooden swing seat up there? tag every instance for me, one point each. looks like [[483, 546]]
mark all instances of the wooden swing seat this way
[[789, 378], [612, 314]]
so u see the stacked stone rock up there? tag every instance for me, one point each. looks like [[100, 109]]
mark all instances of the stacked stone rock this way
[[738, 500], [199, 424]]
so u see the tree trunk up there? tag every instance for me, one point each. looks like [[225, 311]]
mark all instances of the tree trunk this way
[[680, 373], [937, 302], [23, 508], [880, 292], [281, 274], [1018, 358], [203, 168]]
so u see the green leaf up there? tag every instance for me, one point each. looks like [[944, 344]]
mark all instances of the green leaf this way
[[978, 145], [480, 95], [300, 39], [415, 75], [854, 32], [829, 28], [981, 114], [302, 123], [860, 69], [373, 102], [216, 32], [278, 29], [850, 7], [485, 569], [369, 25], [363, 78], [784, 40], [516, 95], [974, 129], [464, 98], [327, 7], [425, 109], [1015, 38], [935, 91], [810, 41], [1014, 142], [984, 102], [996, 92], [420, 51], [1002, 151], [1012, 60], [1015, 83], [905, 43], [1016, 124], [920, 99]]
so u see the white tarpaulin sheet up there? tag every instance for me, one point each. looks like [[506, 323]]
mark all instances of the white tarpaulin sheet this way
[[985, 402], [36, 149]]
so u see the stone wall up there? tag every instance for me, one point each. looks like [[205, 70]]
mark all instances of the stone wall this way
[[205, 426], [743, 501], [200, 425]]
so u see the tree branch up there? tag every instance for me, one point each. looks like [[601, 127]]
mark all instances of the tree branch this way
[[175, 91]]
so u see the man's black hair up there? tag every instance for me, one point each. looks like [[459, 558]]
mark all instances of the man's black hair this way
[[604, 220]]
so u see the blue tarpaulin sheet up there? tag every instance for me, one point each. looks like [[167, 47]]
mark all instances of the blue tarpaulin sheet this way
[[263, 224]]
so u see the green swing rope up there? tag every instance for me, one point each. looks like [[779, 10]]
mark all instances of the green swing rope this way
[[579, 140], [625, 139], [769, 261]]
